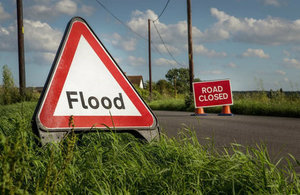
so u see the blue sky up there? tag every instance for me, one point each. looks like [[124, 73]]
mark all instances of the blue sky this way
[[254, 43]]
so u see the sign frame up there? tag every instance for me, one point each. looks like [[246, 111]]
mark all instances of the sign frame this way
[[55, 134], [209, 81]]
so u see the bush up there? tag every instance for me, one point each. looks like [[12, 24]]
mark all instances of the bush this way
[[145, 94], [9, 93]]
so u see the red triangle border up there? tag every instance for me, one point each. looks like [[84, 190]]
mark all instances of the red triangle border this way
[[77, 28]]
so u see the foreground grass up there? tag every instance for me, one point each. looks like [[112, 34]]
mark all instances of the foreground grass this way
[[108, 163]]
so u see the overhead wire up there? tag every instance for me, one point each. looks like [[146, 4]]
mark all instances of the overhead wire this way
[[166, 46], [128, 27], [119, 20], [153, 21], [162, 11]]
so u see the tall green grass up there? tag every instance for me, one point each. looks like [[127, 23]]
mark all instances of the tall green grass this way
[[259, 103], [109, 163], [168, 104], [276, 104]]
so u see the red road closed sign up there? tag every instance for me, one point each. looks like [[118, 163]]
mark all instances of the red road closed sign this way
[[212, 93]]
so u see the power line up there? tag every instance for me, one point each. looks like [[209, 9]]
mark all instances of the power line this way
[[166, 46], [162, 11], [113, 15], [121, 22], [128, 27]]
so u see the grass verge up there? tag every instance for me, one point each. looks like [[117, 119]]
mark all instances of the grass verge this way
[[108, 163], [248, 104]]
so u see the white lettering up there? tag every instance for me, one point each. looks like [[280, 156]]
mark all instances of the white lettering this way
[[201, 96], [211, 97], [220, 89], [225, 96], [209, 89]]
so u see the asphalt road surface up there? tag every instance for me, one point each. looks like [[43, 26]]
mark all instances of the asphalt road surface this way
[[281, 135]]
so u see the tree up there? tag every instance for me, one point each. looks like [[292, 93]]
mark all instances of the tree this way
[[164, 87], [9, 91], [179, 77]]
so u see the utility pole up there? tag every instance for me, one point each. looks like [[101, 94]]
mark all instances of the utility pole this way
[[149, 56], [190, 44], [22, 80]]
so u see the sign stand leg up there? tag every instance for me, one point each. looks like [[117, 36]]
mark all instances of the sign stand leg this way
[[54, 137], [149, 135]]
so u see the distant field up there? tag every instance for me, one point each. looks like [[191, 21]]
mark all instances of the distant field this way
[[108, 163], [249, 103]]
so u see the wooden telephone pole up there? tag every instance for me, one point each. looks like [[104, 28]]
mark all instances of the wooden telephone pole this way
[[22, 80], [149, 56], [190, 44]]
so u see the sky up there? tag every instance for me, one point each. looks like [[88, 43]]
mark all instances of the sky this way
[[254, 43]]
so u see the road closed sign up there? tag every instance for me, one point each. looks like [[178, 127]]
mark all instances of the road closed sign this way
[[212, 93], [86, 84]]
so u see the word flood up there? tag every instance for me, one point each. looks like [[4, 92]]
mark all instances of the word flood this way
[[93, 102]]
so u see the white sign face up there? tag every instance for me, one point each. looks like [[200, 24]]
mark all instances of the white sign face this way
[[90, 89], [87, 91], [86, 83]]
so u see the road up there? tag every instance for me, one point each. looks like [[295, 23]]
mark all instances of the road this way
[[280, 134]]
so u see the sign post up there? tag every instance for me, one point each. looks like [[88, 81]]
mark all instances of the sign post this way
[[86, 84], [212, 93]]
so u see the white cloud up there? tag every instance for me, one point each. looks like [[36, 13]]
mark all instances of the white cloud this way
[[213, 72], [8, 38], [128, 44], [68, 7], [255, 53], [174, 35], [200, 49], [265, 31], [39, 37], [161, 48], [292, 62], [280, 72], [3, 14], [136, 61], [164, 62], [87, 10], [268, 31], [45, 10], [41, 58], [48, 56], [139, 20], [232, 65], [272, 2]]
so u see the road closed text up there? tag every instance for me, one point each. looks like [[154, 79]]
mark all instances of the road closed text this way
[[212, 93], [208, 96]]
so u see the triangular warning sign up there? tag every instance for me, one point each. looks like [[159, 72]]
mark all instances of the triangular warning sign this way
[[87, 84]]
